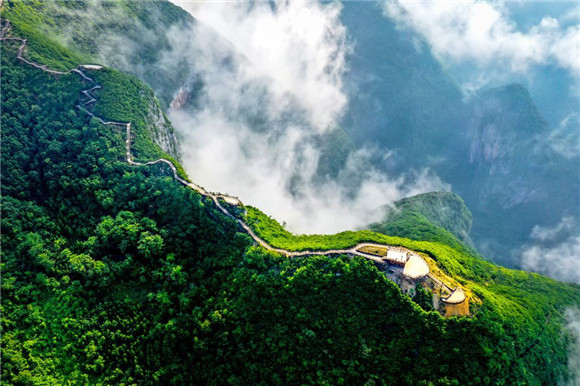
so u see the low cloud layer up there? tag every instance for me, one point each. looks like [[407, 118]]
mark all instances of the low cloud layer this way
[[484, 34], [269, 98], [554, 251], [565, 139], [298, 49]]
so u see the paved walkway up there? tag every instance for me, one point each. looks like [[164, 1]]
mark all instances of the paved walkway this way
[[415, 267]]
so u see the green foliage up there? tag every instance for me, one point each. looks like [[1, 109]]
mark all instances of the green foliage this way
[[521, 304], [99, 32], [25, 19], [437, 216], [271, 231], [113, 274], [91, 283], [124, 98], [335, 147], [424, 298]]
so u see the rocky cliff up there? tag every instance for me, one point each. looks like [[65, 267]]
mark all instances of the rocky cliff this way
[[162, 132]]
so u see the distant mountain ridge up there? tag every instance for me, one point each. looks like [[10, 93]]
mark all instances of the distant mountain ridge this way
[[114, 274], [492, 148]]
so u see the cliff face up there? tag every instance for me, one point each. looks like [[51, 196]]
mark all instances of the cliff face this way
[[505, 151], [511, 171], [399, 95], [162, 132]]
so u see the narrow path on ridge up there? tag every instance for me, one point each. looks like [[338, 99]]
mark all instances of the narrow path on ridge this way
[[91, 100]]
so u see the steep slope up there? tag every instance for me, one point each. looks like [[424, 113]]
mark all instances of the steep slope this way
[[119, 274], [443, 211], [399, 96], [157, 47], [493, 149], [514, 171], [98, 39], [100, 30]]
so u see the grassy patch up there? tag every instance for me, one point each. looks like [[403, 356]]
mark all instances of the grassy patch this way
[[378, 251], [512, 293]]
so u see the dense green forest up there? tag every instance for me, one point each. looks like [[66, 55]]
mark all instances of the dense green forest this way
[[443, 213], [115, 274], [100, 31]]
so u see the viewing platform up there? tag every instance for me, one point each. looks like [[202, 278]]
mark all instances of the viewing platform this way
[[414, 266]]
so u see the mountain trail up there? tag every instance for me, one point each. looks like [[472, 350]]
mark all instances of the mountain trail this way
[[420, 266]]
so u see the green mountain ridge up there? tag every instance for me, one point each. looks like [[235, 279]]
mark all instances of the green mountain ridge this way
[[100, 32], [117, 274], [443, 210], [401, 100]]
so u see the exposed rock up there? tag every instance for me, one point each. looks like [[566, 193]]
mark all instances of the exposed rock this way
[[180, 98], [162, 132]]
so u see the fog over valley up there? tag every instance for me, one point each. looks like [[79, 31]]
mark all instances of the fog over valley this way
[[257, 129], [339, 141], [290, 192]]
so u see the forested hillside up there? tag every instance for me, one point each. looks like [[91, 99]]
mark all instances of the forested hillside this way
[[115, 274], [101, 31], [402, 101], [442, 212]]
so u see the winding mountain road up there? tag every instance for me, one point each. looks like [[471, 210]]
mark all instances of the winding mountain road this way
[[419, 267]]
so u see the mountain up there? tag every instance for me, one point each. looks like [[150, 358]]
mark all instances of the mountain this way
[[99, 30], [401, 101], [442, 212], [117, 269], [399, 96], [514, 171], [494, 148]]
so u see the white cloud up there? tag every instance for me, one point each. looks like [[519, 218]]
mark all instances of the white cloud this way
[[572, 15], [565, 139], [539, 233], [264, 106], [554, 251], [299, 46], [565, 48], [483, 33]]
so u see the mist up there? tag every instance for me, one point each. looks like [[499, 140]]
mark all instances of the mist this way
[[554, 251], [269, 99], [489, 44], [271, 78]]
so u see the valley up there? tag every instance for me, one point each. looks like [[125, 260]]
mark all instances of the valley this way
[[406, 264], [118, 268]]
